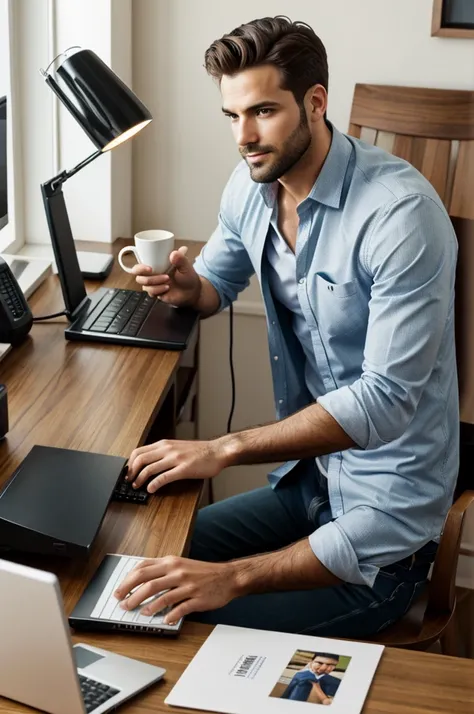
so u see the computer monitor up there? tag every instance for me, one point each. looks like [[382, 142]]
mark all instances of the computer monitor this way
[[3, 163]]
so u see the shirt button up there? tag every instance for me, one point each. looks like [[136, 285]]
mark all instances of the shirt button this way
[[273, 322], [280, 401], [275, 357], [302, 281]]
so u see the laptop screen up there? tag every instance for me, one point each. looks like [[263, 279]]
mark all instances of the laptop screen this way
[[72, 283]]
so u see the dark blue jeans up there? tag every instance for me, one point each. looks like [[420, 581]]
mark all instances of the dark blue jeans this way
[[265, 520]]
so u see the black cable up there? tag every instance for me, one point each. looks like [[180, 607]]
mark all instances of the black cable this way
[[231, 364], [232, 380], [49, 317]]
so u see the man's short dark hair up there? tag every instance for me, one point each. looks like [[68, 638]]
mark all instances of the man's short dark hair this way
[[328, 655], [292, 47]]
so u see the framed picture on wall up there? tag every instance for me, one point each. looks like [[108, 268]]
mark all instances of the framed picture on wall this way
[[453, 18]]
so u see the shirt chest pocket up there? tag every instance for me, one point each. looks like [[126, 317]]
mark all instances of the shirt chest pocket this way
[[340, 307]]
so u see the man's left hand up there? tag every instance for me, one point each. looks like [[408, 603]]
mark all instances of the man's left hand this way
[[171, 460], [192, 586]]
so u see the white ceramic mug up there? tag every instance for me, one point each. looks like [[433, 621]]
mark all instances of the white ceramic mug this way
[[151, 248]]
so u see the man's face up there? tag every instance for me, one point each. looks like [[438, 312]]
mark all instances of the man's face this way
[[270, 128], [322, 665]]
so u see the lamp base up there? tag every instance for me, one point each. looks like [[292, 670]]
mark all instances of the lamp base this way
[[93, 266]]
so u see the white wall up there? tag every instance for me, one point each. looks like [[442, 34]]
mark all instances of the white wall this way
[[73, 27], [182, 165], [121, 158], [254, 403]]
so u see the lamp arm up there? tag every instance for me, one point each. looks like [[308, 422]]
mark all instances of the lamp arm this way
[[58, 180]]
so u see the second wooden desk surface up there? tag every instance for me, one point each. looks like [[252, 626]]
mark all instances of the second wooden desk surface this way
[[100, 398], [405, 682]]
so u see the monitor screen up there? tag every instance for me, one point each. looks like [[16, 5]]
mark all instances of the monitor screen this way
[[3, 163]]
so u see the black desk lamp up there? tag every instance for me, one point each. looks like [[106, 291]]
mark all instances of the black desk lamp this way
[[108, 111]]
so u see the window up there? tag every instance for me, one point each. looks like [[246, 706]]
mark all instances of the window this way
[[11, 237]]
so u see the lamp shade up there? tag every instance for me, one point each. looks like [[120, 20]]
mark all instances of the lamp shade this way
[[108, 111]]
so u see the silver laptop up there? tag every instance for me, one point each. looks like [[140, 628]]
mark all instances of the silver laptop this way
[[38, 664]]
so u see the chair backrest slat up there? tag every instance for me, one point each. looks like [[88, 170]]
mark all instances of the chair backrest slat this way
[[462, 199], [430, 156], [415, 111]]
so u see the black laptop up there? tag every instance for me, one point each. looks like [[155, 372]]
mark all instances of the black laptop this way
[[126, 317]]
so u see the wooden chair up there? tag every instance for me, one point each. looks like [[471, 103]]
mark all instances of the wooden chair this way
[[433, 129], [431, 618]]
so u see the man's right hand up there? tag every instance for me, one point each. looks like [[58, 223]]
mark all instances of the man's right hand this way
[[182, 287]]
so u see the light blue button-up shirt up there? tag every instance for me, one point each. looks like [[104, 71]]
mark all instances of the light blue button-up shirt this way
[[375, 269], [284, 288]]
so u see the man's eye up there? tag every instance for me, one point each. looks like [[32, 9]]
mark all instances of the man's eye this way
[[231, 116], [264, 111]]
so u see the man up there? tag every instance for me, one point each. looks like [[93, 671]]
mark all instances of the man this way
[[316, 677], [356, 259]]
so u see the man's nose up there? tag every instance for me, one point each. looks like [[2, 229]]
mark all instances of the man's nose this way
[[246, 133]]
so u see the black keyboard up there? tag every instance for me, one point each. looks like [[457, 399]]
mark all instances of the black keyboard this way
[[95, 693], [120, 312], [124, 492]]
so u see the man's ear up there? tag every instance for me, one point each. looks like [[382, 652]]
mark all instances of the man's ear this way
[[316, 101]]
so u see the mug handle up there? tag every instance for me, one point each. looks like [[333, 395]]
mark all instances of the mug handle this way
[[127, 249]]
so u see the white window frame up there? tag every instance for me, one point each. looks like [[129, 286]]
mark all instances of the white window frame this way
[[12, 235]]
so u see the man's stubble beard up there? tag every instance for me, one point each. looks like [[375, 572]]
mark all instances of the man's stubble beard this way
[[293, 150]]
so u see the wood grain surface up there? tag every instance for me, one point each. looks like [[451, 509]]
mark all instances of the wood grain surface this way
[[100, 398], [104, 398]]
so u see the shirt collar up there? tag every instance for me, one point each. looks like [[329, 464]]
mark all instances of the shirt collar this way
[[327, 188]]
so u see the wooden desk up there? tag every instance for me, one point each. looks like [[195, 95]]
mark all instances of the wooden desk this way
[[105, 398], [406, 682], [93, 397]]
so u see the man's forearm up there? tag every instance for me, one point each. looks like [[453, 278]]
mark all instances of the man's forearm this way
[[293, 568], [208, 300], [310, 432]]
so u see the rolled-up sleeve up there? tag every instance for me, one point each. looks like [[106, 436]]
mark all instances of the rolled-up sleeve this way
[[224, 260], [357, 544], [410, 256], [333, 548]]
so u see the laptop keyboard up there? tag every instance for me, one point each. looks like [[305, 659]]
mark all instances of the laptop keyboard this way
[[95, 693], [120, 312]]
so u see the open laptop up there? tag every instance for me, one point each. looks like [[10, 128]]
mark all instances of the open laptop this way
[[126, 317], [40, 668]]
